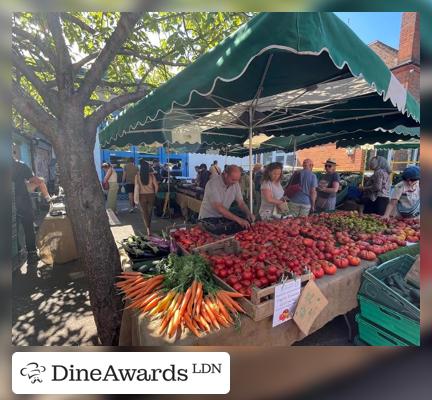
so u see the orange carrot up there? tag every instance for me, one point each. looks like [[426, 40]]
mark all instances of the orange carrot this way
[[152, 304], [233, 294], [226, 302], [176, 320], [211, 315], [190, 325], [203, 323], [192, 297], [224, 312], [198, 299], [185, 302]]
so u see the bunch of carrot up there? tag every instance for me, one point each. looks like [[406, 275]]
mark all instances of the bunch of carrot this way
[[194, 309]]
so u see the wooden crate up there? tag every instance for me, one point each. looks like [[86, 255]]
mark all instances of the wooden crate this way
[[228, 245], [261, 303]]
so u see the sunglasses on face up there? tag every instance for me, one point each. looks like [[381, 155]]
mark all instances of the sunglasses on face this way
[[329, 165]]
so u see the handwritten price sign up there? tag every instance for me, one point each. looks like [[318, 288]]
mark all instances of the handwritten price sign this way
[[309, 306]]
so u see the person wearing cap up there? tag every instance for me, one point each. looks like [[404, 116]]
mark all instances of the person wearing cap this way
[[328, 187], [405, 199]]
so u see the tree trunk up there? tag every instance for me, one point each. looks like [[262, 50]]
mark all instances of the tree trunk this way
[[86, 208]]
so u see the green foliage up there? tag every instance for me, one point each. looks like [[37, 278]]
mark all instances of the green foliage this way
[[159, 46]]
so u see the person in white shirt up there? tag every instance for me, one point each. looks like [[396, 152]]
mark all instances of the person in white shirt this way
[[220, 192], [405, 198]]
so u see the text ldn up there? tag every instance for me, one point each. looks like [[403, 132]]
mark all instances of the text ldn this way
[[112, 374]]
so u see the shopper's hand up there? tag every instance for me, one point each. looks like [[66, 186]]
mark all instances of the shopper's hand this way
[[243, 223], [251, 217]]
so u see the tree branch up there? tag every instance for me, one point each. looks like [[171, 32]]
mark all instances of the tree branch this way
[[117, 102], [71, 18], [47, 95], [33, 113], [37, 42], [64, 70], [158, 60], [76, 67], [122, 31]]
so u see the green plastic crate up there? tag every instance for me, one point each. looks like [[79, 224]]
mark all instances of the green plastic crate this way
[[391, 320], [375, 335], [374, 288]]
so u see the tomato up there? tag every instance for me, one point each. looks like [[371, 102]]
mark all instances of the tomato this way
[[257, 283], [272, 270], [245, 282], [308, 242], [261, 257], [264, 281], [237, 286], [223, 273], [340, 262], [260, 273], [354, 261], [318, 272], [328, 267], [247, 274], [272, 278], [232, 280], [367, 255]]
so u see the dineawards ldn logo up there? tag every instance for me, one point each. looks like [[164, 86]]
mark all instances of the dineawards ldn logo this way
[[33, 371], [121, 372]]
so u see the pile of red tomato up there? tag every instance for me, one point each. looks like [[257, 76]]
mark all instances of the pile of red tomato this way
[[192, 237], [271, 249]]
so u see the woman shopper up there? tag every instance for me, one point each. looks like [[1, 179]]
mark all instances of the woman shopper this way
[[328, 187], [110, 184], [405, 199], [146, 187], [272, 191], [376, 192]]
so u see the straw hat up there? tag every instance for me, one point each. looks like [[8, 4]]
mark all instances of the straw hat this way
[[331, 161]]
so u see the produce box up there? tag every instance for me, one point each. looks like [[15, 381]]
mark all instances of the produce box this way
[[377, 336], [261, 303], [227, 245], [375, 288], [391, 320]]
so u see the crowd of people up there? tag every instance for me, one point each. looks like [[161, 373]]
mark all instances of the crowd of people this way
[[303, 194]]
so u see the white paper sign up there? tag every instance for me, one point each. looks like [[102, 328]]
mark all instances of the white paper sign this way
[[285, 301]]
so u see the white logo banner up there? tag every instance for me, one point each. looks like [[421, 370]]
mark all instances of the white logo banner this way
[[120, 373]]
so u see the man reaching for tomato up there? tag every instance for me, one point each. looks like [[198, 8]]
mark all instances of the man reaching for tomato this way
[[220, 192]]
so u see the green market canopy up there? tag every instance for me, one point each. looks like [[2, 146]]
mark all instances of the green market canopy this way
[[281, 74]]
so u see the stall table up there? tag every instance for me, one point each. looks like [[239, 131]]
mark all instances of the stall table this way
[[187, 203], [340, 290]]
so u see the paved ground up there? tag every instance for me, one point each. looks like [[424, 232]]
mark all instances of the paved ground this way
[[54, 310]]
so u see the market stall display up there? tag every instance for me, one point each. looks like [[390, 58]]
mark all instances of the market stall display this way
[[251, 264]]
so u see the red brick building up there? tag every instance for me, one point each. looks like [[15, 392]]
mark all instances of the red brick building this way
[[405, 65]]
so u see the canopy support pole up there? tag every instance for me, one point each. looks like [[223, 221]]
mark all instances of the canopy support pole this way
[[250, 161]]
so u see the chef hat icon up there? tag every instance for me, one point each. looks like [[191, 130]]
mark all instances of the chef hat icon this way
[[33, 370]]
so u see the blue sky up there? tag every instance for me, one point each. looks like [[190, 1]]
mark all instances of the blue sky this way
[[370, 26]]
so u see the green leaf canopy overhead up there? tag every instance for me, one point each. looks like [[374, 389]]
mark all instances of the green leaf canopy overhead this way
[[282, 74]]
